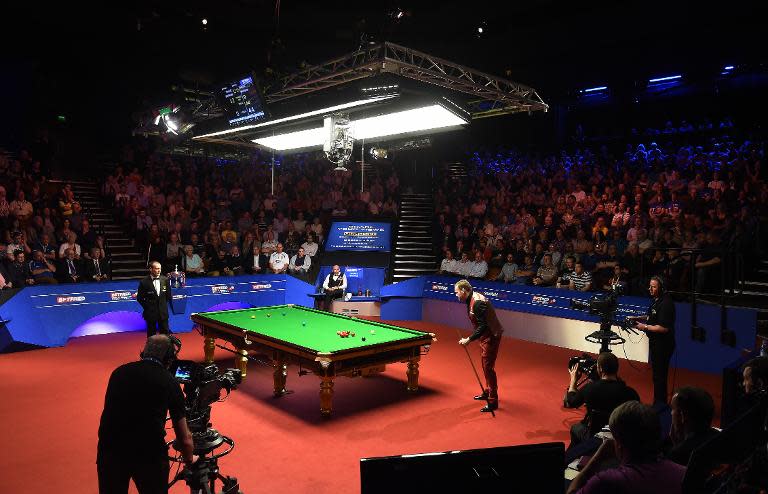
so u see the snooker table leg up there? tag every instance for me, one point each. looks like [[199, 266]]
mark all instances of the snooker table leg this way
[[279, 373], [209, 346], [413, 374], [326, 394], [241, 360]]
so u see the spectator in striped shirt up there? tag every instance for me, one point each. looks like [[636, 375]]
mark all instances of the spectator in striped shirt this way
[[580, 280]]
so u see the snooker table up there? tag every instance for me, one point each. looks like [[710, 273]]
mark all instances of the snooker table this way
[[308, 337]]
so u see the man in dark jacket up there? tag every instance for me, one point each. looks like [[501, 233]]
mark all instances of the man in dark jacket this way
[[154, 295]]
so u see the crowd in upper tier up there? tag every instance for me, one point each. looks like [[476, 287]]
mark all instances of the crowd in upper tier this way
[[591, 219]]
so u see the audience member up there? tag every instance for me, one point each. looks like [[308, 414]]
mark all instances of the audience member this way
[[692, 413], [636, 431]]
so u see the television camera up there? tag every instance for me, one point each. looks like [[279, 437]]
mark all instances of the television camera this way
[[604, 305], [202, 386]]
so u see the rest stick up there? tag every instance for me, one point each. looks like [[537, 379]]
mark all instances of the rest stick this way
[[477, 376]]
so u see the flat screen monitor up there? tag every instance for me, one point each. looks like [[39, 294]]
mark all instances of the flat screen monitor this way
[[499, 469], [243, 102], [358, 236]]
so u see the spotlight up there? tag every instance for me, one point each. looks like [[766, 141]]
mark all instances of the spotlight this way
[[378, 153], [173, 127], [205, 21], [480, 30]]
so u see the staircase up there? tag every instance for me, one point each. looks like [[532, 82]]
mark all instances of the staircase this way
[[126, 259], [457, 171], [413, 249], [755, 294]]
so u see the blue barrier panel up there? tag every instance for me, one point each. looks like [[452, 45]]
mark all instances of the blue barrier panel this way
[[413, 288], [48, 315], [544, 301], [708, 356]]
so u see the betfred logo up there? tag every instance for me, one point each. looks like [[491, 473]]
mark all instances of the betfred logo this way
[[69, 300], [440, 288], [538, 299], [222, 289], [179, 297], [260, 286], [122, 296]]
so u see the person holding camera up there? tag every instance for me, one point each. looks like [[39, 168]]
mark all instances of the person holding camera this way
[[132, 441], [660, 328], [601, 396]]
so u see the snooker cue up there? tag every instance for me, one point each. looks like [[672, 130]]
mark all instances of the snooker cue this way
[[474, 369]]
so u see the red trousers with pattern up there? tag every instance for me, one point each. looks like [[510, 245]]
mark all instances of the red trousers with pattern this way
[[489, 350]]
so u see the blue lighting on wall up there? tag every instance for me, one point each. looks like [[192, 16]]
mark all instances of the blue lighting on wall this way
[[665, 79]]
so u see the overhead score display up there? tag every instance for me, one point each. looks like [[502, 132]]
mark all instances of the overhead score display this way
[[358, 236], [243, 102]]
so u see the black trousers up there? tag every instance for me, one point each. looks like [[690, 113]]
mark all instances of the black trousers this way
[[149, 474], [579, 433], [330, 296], [659, 358], [155, 326]]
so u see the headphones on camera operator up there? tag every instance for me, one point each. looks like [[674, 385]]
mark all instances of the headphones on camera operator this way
[[660, 281], [172, 350]]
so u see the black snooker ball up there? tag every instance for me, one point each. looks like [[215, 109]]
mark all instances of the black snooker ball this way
[[363, 338]]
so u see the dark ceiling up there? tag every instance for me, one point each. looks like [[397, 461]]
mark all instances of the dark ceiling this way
[[73, 60]]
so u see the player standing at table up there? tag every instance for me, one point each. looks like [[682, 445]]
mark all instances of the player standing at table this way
[[488, 332]]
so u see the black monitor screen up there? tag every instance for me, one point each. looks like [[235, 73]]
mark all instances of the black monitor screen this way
[[243, 102], [478, 470]]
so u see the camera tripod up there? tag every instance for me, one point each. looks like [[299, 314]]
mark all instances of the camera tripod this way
[[605, 335], [202, 475]]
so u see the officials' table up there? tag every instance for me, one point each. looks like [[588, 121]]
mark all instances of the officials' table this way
[[307, 337]]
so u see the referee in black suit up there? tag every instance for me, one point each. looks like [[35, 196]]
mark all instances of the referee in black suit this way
[[154, 295]]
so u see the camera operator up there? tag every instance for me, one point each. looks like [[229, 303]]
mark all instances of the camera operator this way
[[660, 328], [601, 396], [132, 430]]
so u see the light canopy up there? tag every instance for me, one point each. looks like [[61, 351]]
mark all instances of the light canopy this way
[[421, 119]]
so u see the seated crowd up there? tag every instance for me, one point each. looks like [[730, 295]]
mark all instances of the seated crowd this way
[[211, 220], [45, 235], [591, 219]]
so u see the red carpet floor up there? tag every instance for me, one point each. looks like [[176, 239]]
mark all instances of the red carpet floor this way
[[52, 400]]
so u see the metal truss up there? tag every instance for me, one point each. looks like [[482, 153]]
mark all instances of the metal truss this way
[[490, 95], [495, 96]]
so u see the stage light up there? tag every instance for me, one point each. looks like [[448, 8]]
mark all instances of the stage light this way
[[594, 89], [480, 30], [403, 122], [314, 113], [171, 124], [728, 67], [205, 22], [665, 79], [379, 153]]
